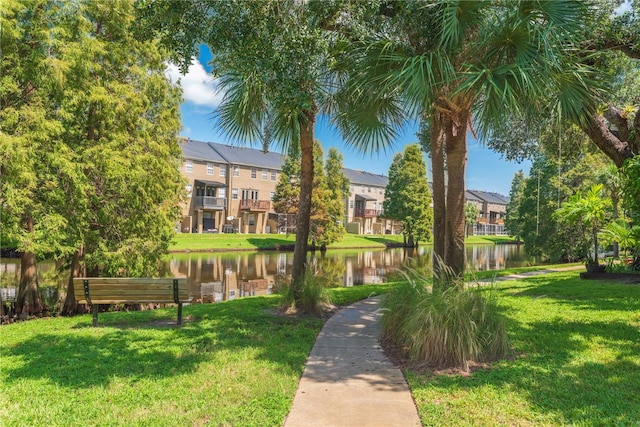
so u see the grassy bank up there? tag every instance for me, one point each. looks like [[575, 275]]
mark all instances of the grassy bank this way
[[234, 363], [235, 242], [576, 362]]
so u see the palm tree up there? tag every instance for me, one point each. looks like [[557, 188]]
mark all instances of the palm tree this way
[[456, 63], [588, 210]]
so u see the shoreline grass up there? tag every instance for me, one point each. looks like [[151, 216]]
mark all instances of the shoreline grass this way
[[250, 242]]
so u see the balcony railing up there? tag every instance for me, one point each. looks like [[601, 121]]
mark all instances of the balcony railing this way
[[207, 202], [367, 213], [255, 205]]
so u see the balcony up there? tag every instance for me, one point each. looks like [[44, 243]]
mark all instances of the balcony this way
[[255, 205], [207, 202], [367, 213]]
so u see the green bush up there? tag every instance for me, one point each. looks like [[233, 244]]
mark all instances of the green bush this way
[[315, 296], [446, 327]]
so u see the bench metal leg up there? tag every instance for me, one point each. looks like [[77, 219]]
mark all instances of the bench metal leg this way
[[95, 314], [179, 313]]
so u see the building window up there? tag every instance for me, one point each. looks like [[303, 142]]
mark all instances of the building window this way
[[351, 204], [223, 170], [254, 173], [236, 170], [369, 190], [222, 192], [209, 168], [252, 219], [188, 166], [273, 175], [272, 195], [264, 174], [234, 193]]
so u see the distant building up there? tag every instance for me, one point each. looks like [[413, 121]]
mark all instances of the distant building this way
[[230, 189]]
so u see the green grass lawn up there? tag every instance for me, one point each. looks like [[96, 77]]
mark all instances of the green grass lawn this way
[[230, 364], [221, 242], [576, 362]]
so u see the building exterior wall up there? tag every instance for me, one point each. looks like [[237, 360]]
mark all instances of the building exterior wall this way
[[238, 197]]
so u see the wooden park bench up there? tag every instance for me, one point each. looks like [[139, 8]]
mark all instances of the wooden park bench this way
[[120, 290]]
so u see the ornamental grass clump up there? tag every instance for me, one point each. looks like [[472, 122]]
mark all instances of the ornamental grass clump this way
[[449, 326], [314, 295]]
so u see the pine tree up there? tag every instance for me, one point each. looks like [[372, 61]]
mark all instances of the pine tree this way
[[407, 197]]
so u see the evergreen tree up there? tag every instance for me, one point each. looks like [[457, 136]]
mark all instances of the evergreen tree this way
[[89, 121], [407, 198], [512, 221], [326, 209]]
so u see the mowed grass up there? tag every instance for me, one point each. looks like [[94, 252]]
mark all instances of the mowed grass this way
[[576, 360], [235, 363], [226, 242]]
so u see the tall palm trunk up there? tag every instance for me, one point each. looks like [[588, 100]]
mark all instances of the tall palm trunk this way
[[456, 151], [439, 207], [28, 300], [304, 204]]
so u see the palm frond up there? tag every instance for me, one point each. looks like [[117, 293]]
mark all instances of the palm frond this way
[[242, 111]]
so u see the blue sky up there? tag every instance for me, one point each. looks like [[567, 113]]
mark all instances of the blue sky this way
[[486, 170]]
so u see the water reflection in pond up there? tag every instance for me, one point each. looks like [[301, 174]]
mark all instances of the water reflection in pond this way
[[215, 277], [219, 277]]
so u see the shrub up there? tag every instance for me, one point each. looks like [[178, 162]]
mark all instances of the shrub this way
[[315, 296], [445, 327]]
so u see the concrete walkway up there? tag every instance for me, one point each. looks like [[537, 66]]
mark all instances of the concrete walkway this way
[[348, 381]]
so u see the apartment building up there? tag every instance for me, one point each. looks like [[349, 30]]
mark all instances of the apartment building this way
[[230, 190]]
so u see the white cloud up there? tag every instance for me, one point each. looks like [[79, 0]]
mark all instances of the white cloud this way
[[197, 85], [623, 8]]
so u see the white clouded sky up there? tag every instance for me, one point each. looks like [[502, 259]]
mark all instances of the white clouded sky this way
[[198, 87]]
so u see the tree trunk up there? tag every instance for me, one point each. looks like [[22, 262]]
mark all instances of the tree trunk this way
[[28, 300], [304, 205], [70, 305], [456, 151], [439, 204]]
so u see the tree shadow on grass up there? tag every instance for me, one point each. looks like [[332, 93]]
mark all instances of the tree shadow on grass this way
[[83, 356]]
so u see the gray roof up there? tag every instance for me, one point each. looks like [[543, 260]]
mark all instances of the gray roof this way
[[490, 197], [246, 156], [198, 150], [470, 196], [365, 178]]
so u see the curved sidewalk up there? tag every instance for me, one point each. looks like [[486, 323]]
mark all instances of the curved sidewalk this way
[[348, 381]]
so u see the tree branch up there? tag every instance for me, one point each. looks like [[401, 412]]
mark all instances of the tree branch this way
[[596, 127]]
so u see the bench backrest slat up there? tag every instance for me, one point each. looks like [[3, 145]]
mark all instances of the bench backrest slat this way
[[109, 290]]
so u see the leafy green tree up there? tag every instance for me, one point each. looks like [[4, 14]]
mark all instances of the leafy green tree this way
[[453, 61], [338, 192], [287, 194], [105, 183], [407, 198], [588, 210], [471, 212], [326, 210], [512, 221]]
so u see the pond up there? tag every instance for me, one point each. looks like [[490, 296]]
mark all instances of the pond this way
[[216, 277]]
